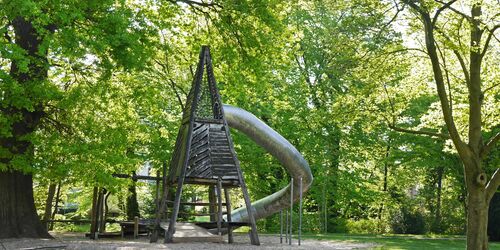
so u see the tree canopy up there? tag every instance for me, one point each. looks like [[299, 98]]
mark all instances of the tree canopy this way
[[394, 104]]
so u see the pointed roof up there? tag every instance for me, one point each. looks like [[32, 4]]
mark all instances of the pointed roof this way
[[204, 146]]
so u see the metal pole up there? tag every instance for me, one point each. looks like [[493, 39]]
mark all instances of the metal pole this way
[[281, 226], [300, 209], [286, 230], [291, 211]]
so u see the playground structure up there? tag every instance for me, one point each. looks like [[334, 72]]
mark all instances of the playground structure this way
[[204, 155]]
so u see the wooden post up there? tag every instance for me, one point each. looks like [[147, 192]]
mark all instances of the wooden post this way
[[254, 237], [212, 201], [300, 209], [159, 215], [163, 207], [291, 210], [136, 227], [169, 235], [219, 206], [228, 209]]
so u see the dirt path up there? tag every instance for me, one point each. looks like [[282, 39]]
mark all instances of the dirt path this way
[[77, 242]]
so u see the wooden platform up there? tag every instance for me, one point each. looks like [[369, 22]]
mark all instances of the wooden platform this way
[[189, 232]]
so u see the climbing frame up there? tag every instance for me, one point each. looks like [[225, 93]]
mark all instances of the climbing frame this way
[[204, 155]]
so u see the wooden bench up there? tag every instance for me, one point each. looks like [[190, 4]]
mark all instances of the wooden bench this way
[[136, 227]]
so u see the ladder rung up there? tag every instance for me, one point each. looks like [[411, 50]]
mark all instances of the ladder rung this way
[[200, 214], [198, 203]]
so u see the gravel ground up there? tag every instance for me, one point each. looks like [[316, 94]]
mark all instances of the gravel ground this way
[[77, 242]]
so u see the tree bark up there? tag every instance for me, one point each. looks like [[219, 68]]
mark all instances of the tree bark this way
[[477, 219], [56, 206], [94, 214], [101, 209], [132, 204], [48, 204], [18, 217]]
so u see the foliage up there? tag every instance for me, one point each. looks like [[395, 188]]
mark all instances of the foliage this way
[[408, 221], [494, 218], [339, 79]]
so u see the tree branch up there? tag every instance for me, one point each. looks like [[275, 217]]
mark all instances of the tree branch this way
[[489, 145], [445, 6], [458, 55], [419, 132], [469, 18], [174, 88], [491, 87], [493, 185], [488, 39], [195, 3], [405, 50], [438, 77], [445, 67]]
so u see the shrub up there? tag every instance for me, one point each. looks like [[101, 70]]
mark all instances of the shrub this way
[[494, 218], [406, 221], [365, 226]]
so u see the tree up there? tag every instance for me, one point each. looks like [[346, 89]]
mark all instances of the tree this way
[[34, 35], [444, 35]]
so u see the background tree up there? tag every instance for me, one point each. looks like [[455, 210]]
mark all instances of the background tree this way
[[443, 34]]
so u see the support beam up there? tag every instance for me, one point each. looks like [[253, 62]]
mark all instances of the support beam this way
[[219, 206], [281, 226], [286, 226], [169, 235], [212, 201], [228, 210]]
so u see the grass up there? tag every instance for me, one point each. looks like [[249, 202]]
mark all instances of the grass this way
[[394, 242]]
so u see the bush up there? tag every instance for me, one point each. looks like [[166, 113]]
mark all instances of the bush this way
[[366, 226], [337, 225], [406, 221], [494, 218]]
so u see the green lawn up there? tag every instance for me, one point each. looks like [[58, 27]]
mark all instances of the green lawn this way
[[394, 242]]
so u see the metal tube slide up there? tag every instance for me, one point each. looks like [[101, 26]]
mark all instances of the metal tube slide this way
[[282, 150]]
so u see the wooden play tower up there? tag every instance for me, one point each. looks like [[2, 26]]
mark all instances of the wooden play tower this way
[[204, 155]]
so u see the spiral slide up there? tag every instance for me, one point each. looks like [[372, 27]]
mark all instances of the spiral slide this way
[[279, 147]]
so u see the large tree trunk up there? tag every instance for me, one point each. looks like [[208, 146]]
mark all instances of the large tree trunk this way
[[477, 219], [477, 205], [18, 217]]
